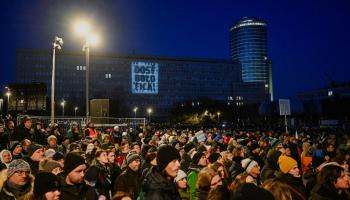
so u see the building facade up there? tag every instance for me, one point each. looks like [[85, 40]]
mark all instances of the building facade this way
[[129, 80], [248, 45]]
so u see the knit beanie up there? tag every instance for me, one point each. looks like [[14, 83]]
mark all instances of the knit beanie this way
[[196, 157], [32, 148], [180, 175], [72, 161], [214, 157], [13, 146], [89, 148], [248, 164], [58, 156], [165, 155], [47, 165], [189, 146], [17, 165], [45, 182], [131, 157], [50, 153], [286, 163]]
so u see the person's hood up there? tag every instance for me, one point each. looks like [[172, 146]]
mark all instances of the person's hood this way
[[2, 160], [29, 191]]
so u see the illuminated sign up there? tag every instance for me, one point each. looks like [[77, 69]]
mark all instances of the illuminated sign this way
[[144, 77]]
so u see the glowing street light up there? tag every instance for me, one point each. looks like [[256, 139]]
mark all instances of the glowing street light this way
[[149, 111], [75, 111], [8, 94], [218, 113], [63, 104], [56, 44], [135, 110]]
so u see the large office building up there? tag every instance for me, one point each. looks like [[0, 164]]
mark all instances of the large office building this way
[[130, 80], [248, 45]]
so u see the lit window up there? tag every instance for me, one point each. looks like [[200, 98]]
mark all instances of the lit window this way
[[108, 75], [330, 93]]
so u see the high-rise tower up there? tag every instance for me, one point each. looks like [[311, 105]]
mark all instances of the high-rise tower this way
[[249, 47]]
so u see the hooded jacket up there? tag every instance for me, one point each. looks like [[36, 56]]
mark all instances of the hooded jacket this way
[[157, 187]]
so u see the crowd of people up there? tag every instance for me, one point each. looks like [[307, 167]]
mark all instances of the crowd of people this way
[[38, 162]]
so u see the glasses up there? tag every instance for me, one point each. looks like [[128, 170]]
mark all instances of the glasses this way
[[21, 172]]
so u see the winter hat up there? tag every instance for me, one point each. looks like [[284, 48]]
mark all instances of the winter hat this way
[[50, 153], [13, 146], [165, 155], [180, 175], [196, 157], [89, 148], [131, 157], [17, 165], [45, 182], [51, 137], [58, 156], [214, 157], [274, 143], [189, 146], [146, 140], [218, 137], [47, 165], [92, 174], [72, 161], [286, 163], [32, 148], [249, 191], [202, 148], [248, 164]]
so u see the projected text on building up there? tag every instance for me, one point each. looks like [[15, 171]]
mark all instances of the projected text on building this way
[[144, 77]]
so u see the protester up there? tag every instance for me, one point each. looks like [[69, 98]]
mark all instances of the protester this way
[[159, 182], [129, 180], [35, 155], [182, 186], [72, 185], [5, 158], [199, 161], [16, 182], [46, 187]]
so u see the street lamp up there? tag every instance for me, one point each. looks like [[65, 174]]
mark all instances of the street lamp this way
[[83, 28], [75, 111], [149, 110], [135, 110], [62, 104], [218, 116], [57, 43], [8, 94]]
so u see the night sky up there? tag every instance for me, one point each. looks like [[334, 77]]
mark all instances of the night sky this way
[[306, 39]]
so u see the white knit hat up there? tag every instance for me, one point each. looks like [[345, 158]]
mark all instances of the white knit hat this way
[[248, 164], [180, 175]]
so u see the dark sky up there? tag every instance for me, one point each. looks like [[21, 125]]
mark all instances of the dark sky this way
[[306, 39]]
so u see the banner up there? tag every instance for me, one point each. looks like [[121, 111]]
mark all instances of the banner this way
[[144, 78]]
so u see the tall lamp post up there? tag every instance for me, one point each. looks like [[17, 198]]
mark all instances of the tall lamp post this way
[[63, 104], [218, 116], [75, 111], [56, 44], [83, 28], [149, 111]]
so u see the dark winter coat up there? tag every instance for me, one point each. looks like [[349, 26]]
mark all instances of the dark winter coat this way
[[271, 165], [297, 188], [129, 182], [76, 192], [326, 193], [157, 187], [236, 168], [21, 133], [104, 183]]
